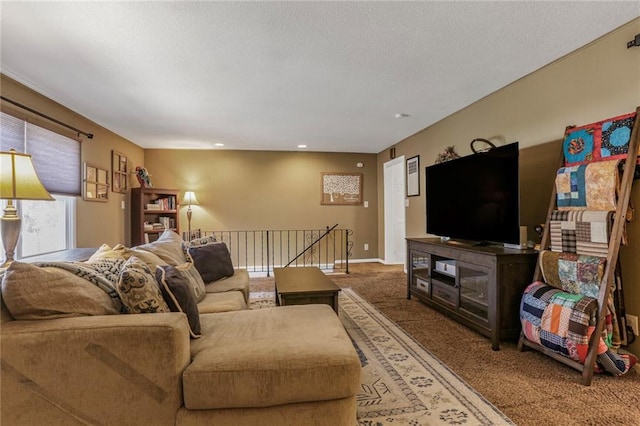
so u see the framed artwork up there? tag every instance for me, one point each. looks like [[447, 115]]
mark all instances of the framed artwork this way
[[413, 176], [96, 183], [119, 172], [341, 189]]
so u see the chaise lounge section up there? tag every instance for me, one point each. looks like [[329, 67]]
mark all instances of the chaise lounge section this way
[[292, 365]]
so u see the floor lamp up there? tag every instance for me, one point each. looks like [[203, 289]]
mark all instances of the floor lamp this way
[[18, 181], [189, 199]]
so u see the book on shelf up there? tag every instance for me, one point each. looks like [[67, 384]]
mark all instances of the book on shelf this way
[[164, 203], [165, 221]]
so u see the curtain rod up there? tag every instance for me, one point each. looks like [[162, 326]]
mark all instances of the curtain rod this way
[[79, 132]]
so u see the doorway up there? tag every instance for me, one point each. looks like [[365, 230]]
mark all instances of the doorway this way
[[394, 212]]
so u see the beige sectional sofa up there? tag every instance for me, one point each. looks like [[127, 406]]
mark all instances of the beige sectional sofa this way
[[291, 365]]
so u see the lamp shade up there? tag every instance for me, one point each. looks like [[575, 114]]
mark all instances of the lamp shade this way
[[189, 198], [18, 178]]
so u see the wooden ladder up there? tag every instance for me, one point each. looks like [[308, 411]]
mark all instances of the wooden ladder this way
[[608, 277]]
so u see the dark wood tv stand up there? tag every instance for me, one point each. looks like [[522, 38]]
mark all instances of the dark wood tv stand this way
[[478, 286]]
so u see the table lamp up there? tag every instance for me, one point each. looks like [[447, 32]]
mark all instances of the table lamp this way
[[18, 181], [189, 199]]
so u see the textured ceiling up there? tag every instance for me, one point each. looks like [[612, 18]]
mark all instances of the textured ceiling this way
[[272, 75]]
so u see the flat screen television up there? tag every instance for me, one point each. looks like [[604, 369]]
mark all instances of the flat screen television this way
[[476, 198]]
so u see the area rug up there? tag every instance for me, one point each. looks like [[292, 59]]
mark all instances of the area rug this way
[[402, 383]]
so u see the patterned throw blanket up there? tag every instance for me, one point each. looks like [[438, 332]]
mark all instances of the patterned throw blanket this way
[[543, 313], [103, 274]]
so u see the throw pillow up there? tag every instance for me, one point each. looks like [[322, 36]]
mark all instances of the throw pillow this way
[[32, 292], [167, 247], [213, 261], [150, 259], [105, 252], [139, 290], [193, 278], [178, 295], [202, 241]]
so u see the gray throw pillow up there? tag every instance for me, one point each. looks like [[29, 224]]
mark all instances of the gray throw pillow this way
[[213, 261], [203, 240], [178, 295]]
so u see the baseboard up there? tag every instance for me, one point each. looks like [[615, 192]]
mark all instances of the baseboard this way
[[366, 261]]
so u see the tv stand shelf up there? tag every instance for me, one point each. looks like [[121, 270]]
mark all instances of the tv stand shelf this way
[[478, 286]]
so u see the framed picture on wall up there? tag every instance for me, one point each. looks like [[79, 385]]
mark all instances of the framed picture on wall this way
[[96, 183], [119, 172], [341, 189], [413, 176]]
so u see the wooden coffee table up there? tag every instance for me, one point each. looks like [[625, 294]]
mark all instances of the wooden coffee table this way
[[305, 286]]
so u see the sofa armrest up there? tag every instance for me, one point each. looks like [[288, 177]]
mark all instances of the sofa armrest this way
[[116, 369]]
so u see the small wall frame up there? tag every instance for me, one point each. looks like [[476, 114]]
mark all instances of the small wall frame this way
[[341, 189], [119, 172], [413, 176], [96, 183]]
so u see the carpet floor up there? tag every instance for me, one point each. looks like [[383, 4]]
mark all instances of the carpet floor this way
[[528, 387]]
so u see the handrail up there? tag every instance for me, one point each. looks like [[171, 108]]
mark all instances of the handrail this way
[[312, 244], [260, 251]]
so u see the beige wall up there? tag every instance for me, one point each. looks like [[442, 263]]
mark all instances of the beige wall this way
[[97, 222], [598, 81], [252, 190]]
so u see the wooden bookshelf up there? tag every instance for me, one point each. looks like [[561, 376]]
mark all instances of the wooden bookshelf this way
[[153, 206]]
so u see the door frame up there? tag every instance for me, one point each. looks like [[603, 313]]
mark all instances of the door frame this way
[[388, 208]]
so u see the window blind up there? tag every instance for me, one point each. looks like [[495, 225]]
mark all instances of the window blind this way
[[56, 158]]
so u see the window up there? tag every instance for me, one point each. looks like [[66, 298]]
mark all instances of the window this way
[[47, 226], [56, 158]]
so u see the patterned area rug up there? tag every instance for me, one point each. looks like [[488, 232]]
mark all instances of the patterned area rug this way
[[402, 383]]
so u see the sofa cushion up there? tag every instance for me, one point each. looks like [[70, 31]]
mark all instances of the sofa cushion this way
[[138, 288], [168, 247], [222, 302], [213, 261], [238, 282], [179, 296], [33, 292], [296, 353]]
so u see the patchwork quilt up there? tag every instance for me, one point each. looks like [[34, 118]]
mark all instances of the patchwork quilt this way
[[604, 140], [592, 186], [581, 231], [564, 323], [573, 273]]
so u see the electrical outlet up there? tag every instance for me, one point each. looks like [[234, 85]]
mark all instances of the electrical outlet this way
[[632, 321], [366, 247]]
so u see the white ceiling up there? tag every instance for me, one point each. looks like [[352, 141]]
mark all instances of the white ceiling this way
[[272, 75]]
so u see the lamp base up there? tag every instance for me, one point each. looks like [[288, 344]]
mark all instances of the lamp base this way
[[10, 232]]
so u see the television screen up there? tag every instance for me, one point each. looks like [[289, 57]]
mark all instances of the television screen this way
[[476, 198]]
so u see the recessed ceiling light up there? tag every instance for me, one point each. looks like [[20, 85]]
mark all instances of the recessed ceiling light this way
[[218, 144], [302, 146], [402, 115]]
